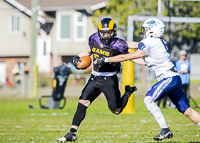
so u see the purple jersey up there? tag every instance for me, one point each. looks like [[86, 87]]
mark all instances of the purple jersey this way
[[98, 49]]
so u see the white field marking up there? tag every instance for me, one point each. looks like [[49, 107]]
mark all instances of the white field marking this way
[[155, 129], [66, 113], [92, 129], [54, 114], [51, 129], [32, 119], [189, 124], [93, 137], [38, 114], [123, 136], [137, 129], [18, 126], [115, 125], [145, 121], [65, 126], [2, 134], [12, 138], [196, 135], [48, 126]]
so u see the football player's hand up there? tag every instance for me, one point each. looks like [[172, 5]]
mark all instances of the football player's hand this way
[[100, 61], [75, 61]]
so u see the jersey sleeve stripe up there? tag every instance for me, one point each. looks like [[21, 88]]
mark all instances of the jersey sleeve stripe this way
[[141, 46]]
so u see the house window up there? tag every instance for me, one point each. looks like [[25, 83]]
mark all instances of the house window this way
[[79, 27], [64, 27], [15, 24], [80, 32]]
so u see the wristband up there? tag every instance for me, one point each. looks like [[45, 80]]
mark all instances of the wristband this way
[[106, 60]]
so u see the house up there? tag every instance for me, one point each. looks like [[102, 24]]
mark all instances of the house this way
[[63, 30]]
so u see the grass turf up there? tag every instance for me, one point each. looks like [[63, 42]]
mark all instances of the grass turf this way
[[19, 123]]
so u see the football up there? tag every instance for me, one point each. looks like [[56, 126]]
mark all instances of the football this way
[[85, 62]]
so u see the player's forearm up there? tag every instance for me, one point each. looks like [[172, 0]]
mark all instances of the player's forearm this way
[[124, 57], [132, 44], [116, 59], [139, 61], [85, 53]]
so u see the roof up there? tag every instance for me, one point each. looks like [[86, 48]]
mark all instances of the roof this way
[[53, 5], [25, 10]]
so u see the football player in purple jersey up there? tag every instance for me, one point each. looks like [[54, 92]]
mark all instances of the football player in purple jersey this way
[[103, 43]]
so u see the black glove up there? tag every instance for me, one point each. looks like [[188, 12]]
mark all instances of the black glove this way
[[75, 61], [100, 61]]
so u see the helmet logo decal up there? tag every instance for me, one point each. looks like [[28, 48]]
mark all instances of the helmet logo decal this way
[[152, 23], [100, 26], [111, 24]]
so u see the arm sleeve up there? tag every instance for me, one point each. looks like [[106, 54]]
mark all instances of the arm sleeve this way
[[144, 47]]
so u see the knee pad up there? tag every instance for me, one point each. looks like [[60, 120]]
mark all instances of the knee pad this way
[[151, 106]]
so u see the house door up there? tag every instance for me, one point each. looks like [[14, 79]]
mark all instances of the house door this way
[[2, 73], [43, 54]]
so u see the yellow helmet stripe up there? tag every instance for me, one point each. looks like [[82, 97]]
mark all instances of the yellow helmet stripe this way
[[111, 24], [100, 25]]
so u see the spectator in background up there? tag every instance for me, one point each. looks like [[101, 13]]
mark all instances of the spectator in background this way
[[183, 68], [164, 100]]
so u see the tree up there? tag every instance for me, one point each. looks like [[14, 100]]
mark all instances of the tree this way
[[184, 9], [120, 9]]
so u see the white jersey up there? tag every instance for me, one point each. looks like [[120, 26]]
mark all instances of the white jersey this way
[[157, 57]]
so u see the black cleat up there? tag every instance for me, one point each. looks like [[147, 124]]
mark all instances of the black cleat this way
[[165, 133], [68, 137], [129, 90]]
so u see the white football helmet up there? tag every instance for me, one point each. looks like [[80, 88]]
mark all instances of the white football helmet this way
[[153, 27]]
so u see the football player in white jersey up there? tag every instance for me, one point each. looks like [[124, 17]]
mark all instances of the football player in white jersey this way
[[153, 52]]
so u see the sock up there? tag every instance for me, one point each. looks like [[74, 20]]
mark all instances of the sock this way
[[124, 100], [79, 115], [153, 108], [198, 124], [72, 130]]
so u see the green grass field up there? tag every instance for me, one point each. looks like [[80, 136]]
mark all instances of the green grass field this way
[[19, 123]]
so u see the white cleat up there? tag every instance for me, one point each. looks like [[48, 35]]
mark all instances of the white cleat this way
[[68, 137], [62, 140]]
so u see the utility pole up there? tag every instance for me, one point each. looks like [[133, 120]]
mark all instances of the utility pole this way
[[33, 66]]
